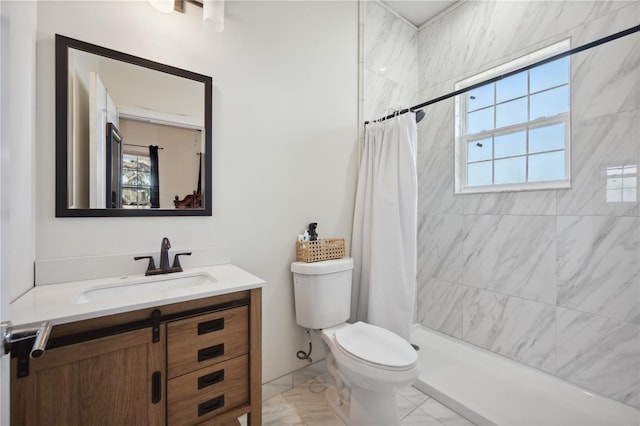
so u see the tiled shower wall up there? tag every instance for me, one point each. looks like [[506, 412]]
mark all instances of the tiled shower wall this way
[[389, 61], [547, 278]]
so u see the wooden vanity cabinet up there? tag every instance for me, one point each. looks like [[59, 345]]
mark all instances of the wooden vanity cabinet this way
[[207, 365], [106, 381], [189, 363]]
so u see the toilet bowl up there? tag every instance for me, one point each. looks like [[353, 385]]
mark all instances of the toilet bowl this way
[[368, 364], [372, 364]]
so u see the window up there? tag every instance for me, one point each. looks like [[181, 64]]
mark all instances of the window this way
[[513, 134], [136, 181], [622, 184]]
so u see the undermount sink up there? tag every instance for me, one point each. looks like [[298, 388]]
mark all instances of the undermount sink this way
[[132, 287]]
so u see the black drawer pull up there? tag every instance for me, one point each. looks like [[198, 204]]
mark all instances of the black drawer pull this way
[[210, 379], [210, 326], [209, 406], [156, 387], [210, 352]]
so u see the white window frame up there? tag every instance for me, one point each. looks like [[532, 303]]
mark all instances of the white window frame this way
[[461, 138]]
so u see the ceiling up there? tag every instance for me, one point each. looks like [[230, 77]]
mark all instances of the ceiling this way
[[418, 11]]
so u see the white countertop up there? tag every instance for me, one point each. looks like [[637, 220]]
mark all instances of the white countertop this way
[[58, 303]]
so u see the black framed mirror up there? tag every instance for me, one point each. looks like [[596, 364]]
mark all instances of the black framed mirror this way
[[133, 136]]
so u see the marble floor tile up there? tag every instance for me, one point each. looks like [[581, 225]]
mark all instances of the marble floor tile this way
[[277, 411], [309, 372], [405, 407], [420, 418], [309, 401], [305, 405], [443, 414], [277, 386], [414, 395]]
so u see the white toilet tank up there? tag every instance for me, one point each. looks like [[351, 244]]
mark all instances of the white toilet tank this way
[[322, 292]]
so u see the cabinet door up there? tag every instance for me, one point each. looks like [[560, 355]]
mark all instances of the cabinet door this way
[[107, 381]]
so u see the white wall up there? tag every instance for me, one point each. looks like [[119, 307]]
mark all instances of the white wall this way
[[18, 144], [284, 137], [17, 159]]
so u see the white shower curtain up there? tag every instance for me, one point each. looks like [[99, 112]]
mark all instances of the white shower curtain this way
[[384, 227]]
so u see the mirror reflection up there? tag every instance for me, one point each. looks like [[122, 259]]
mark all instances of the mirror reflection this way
[[137, 141]]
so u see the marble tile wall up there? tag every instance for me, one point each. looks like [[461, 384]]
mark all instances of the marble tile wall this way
[[389, 61], [547, 278]]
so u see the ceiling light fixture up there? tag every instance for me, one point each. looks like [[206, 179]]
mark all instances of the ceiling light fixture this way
[[212, 11], [213, 14]]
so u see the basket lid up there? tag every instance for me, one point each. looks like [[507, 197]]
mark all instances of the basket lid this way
[[323, 266]]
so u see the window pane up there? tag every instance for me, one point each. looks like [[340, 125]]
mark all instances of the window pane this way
[[549, 75], [479, 174], [614, 195], [546, 138], [614, 183], [620, 170], [550, 103], [549, 166], [144, 164], [511, 144], [629, 195], [511, 87], [129, 177], [479, 150], [144, 196], [480, 120], [480, 97], [629, 182], [510, 170], [511, 113], [128, 196], [144, 178]]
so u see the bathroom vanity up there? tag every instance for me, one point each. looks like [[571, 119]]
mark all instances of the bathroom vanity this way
[[176, 353]]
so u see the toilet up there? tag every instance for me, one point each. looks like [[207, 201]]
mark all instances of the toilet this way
[[368, 364]]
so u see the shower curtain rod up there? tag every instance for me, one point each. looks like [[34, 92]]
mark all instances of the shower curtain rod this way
[[510, 73], [141, 146]]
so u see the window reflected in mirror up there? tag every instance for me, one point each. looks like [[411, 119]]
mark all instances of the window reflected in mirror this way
[[136, 181]]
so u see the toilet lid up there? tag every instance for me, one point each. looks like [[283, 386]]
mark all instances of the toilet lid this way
[[376, 345]]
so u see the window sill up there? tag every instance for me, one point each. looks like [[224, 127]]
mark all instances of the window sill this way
[[515, 187]]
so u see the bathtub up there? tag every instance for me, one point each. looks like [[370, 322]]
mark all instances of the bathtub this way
[[489, 389]]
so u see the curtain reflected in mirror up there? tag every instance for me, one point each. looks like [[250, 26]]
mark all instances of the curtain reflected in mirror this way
[[114, 167], [155, 177]]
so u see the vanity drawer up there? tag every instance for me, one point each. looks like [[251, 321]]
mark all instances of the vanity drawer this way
[[198, 342], [200, 395]]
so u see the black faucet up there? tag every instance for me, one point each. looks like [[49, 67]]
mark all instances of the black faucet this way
[[164, 255], [164, 260]]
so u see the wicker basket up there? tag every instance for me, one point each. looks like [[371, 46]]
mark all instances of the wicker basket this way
[[315, 251]]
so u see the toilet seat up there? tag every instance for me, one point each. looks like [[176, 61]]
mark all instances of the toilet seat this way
[[375, 345]]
